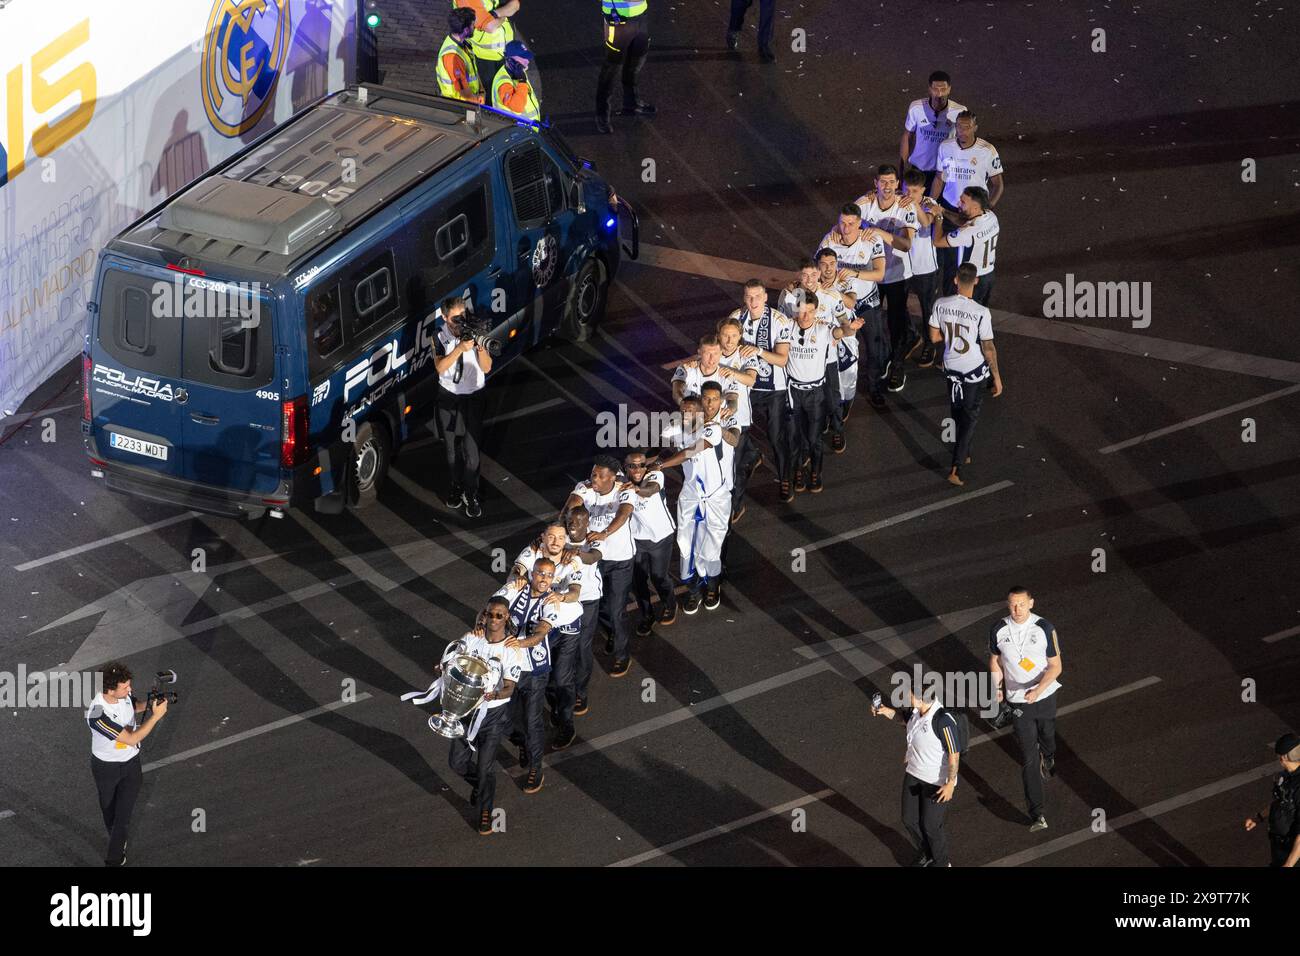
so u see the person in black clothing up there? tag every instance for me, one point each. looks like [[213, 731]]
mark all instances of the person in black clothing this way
[[627, 39], [766, 21], [1282, 815]]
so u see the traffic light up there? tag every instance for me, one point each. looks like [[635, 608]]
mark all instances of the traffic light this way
[[373, 16]]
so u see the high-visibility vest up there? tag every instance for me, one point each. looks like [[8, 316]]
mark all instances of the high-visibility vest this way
[[487, 44], [531, 110], [445, 85], [626, 9]]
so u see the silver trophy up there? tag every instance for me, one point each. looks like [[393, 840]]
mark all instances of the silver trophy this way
[[464, 681]]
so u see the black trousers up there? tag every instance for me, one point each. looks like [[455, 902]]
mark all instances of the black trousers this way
[[1279, 848], [626, 44], [809, 413], [766, 20], [118, 784], [478, 764], [926, 289], [744, 455], [1036, 730], [834, 410], [965, 405], [984, 288], [923, 819], [873, 350], [460, 419], [586, 634], [900, 328], [617, 579], [947, 256], [563, 678], [651, 566], [526, 714], [772, 410]]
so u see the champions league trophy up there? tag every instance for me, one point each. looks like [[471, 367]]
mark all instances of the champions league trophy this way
[[464, 681]]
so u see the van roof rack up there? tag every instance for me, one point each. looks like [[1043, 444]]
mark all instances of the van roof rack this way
[[314, 178]]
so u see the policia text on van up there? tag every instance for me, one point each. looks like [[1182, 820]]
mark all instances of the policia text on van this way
[[336, 235]]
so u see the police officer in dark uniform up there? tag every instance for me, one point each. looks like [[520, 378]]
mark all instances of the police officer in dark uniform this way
[[1282, 814], [766, 21], [627, 39]]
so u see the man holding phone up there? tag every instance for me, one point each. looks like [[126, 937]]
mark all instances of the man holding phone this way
[[933, 756]]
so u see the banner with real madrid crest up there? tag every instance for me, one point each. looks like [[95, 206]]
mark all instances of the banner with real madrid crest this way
[[109, 106]]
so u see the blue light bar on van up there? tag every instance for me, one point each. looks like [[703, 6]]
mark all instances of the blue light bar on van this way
[[519, 120]]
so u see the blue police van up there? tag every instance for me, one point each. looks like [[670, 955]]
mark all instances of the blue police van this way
[[264, 339]]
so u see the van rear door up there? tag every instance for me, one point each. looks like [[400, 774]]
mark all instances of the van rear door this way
[[231, 420], [135, 373]]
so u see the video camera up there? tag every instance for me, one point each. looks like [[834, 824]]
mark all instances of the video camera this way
[[156, 693], [479, 331], [1007, 712]]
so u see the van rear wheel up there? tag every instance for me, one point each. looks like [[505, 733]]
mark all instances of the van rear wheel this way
[[368, 466], [586, 307]]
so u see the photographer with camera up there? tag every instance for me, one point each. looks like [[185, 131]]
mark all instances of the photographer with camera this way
[[1282, 813], [1025, 661], [934, 745], [115, 752], [462, 361]]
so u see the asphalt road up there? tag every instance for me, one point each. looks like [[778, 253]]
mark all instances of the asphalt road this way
[[1120, 166]]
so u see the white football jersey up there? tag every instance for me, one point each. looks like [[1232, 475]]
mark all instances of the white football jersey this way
[[766, 331], [738, 363], [964, 324], [895, 220], [860, 254], [651, 521], [931, 130], [604, 508], [967, 167], [707, 472], [811, 350], [980, 236]]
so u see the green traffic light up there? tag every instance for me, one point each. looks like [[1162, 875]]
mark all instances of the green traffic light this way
[[373, 20]]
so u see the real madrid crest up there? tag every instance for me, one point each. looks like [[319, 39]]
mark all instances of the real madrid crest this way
[[545, 258], [245, 46]]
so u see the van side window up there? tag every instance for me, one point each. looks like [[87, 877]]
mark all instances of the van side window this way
[[326, 320], [231, 350], [451, 242], [371, 292], [134, 325]]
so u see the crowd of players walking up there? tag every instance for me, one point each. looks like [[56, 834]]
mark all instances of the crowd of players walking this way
[[773, 382]]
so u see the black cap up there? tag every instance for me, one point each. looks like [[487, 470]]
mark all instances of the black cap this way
[[1286, 743]]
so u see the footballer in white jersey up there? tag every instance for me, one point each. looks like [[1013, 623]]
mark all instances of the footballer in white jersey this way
[[964, 329]]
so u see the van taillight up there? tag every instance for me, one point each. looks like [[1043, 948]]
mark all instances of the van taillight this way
[[293, 432], [85, 387]]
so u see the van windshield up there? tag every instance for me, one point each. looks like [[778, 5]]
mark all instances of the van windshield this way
[[188, 327]]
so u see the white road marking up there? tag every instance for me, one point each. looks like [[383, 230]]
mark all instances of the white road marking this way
[[767, 814], [1208, 416], [15, 420], [112, 539], [255, 732], [1068, 333], [1137, 816], [899, 642], [1077, 705], [1280, 635], [908, 515], [529, 364], [7, 813]]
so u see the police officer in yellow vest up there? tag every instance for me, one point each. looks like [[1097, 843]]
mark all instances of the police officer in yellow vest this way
[[492, 31], [457, 68], [626, 40], [511, 90]]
